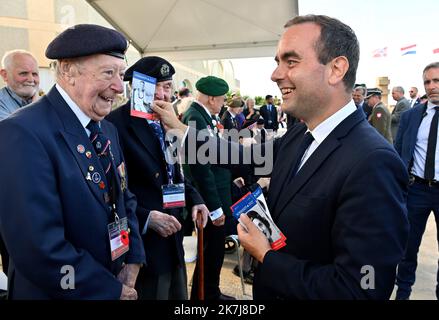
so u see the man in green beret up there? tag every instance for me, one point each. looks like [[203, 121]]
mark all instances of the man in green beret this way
[[213, 183]]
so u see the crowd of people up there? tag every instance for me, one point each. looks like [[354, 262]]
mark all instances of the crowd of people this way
[[101, 198]]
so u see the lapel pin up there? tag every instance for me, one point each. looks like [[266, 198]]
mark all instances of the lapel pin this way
[[91, 168], [98, 145], [80, 148], [102, 185], [88, 154], [96, 177], [88, 176]]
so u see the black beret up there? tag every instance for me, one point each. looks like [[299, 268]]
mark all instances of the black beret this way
[[260, 120], [212, 86], [155, 67], [373, 91], [87, 39]]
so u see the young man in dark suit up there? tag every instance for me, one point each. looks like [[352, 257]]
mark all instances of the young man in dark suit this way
[[269, 112], [416, 143], [338, 189], [67, 218], [147, 156]]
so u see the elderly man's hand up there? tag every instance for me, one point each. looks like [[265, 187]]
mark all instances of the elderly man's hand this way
[[168, 117], [128, 274], [128, 293], [163, 223], [204, 214], [219, 221], [252, 239]]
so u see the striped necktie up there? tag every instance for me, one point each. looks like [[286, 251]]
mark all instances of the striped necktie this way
[[101, 144]]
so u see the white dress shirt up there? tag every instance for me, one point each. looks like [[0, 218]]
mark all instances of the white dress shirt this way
[[82, 117], [325, 128], [420, 154]]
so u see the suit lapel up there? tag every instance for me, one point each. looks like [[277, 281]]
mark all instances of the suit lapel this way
[[315, 161], [78, 143], [305, 173], [283, 164], [414, 123]]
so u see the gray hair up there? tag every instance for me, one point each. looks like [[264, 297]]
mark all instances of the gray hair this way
[[249, 99], [362, 89], [9, 56], [399, 89], [432, 65]]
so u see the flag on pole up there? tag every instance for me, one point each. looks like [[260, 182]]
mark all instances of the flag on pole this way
[[436, 50], [379, 53], [408, 50]]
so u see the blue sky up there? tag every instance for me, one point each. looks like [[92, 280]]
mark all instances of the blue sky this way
[[377, 24]]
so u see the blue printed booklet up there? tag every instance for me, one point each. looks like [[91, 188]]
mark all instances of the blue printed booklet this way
[[253, 204], [142, 96]]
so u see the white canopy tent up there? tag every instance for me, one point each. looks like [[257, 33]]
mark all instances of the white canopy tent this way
[[200, 29]]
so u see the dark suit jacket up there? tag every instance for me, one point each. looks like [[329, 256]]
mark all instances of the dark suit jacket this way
[[50, 215], [402, 105], [405, 141], [227, 121], [345, 210], [146, 166], [269, 116]]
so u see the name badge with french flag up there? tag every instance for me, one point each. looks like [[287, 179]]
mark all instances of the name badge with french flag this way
[[173, 196]]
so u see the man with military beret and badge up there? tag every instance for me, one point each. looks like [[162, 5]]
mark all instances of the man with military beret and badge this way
[[67, 219], [213, 182], [380, 118], [160, 187]]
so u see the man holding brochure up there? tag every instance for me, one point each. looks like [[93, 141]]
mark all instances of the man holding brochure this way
[[338, 189]]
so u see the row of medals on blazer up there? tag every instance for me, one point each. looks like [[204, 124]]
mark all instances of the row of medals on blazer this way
[[91, 175]]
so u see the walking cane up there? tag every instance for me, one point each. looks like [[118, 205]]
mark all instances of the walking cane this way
[[200, 256]]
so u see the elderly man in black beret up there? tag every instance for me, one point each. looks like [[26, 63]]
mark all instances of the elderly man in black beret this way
[[154, 179], [67, 218]]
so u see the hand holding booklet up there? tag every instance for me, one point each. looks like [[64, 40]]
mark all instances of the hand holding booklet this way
[[253, 204], [142, 96]]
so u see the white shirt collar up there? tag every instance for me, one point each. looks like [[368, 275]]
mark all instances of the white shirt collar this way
[[82, 117], [430, 106], [326, 127]]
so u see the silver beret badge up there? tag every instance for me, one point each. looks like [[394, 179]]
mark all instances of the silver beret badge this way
[[164, 70]]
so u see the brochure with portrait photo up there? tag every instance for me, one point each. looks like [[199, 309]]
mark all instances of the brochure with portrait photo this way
[[257, 210], [142, 96]]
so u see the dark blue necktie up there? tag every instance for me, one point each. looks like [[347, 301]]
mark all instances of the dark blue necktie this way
[[304, 145], [431, 147], [159, 133], [235, 124], [101, 144]]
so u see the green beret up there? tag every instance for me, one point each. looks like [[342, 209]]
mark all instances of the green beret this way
[[212, 86]]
